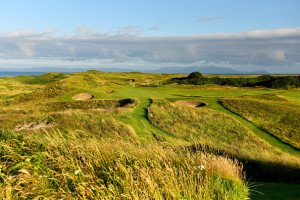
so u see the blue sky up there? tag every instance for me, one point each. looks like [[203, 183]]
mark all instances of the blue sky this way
[[32, 32], [156, 17]]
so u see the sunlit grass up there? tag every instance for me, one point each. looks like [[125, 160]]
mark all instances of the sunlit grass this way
[[218, 131], [276, 116], [79, 165], [55, 147]]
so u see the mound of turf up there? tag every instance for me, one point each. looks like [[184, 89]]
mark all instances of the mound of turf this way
[[89, 116], [203, 125], [41, 79], [50, 91], [273, 114], [221, 133]]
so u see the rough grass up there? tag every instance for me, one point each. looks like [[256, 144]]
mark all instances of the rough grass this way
[[60, 166], [116, 153], [218, 131], [49, 92], [90, 116], [274, 115], [9, 88], [41, 79]]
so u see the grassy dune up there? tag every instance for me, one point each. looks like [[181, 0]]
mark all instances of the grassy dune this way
[[54, 147], [114, 147], [274, 114], [218, 131]]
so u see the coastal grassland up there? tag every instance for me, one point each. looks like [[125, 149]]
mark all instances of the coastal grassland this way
[[41, 79], [222, 133], [99, 148], [77, 165], [9, 88], [89, 116], [274, 114]]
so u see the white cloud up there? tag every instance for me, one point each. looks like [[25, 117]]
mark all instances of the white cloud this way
[[264, 48], [28, 34], [26, 49], [277, 55], [256, 34]]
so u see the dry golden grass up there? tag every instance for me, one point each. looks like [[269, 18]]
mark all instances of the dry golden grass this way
[[81, 166]]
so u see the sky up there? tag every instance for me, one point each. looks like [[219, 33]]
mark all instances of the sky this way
[[141, 34]]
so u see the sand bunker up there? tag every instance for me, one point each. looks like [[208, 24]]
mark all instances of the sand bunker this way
[[83, 96], [109, 91], [34, 126], [191, 104]]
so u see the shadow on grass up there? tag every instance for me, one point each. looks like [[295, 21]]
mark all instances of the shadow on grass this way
[[274, 191], [258, 170], [145, 109]]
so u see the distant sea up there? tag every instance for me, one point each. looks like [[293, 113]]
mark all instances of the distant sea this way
[[20, 73]]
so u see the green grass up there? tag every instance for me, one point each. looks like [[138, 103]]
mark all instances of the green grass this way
[[276, 116], [214, 129], [213, 103], [119, 152], [275, 191], [41, 79]]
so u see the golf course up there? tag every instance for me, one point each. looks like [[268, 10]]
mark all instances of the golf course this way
[[101, 135]]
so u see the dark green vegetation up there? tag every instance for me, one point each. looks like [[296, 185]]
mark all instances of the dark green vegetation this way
[[258, 81], [275, 191], [133, 140]]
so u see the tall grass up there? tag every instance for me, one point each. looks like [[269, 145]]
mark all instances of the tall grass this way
[[84, 152], [221, 133], [276, 116], [71, 166]]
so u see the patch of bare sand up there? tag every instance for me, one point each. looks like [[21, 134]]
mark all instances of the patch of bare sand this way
[[83, 96], [192, 104], [34, 126]]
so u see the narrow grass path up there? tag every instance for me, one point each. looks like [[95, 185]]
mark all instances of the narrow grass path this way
[[138, 119], [212, 102], [275, 142]]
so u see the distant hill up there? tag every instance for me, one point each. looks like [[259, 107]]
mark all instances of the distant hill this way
[[206, 70], [64, 70], [169, 70], [43, 69]]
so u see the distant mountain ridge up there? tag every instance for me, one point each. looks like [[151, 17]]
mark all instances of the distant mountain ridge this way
[[169, 70], [207, 70]]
